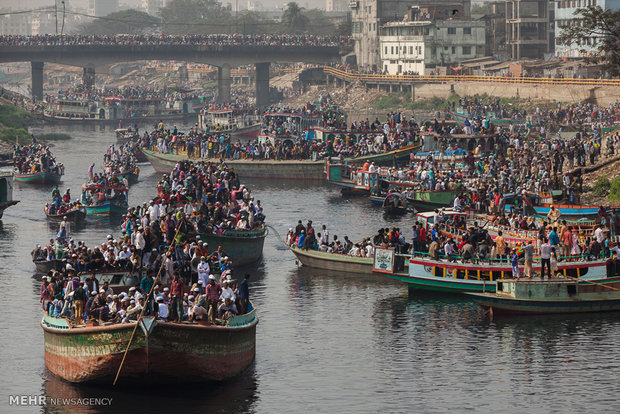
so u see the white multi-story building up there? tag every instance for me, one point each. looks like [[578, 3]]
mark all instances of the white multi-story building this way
[[415, 46], [565, 16], [336, 5], [15, 24]]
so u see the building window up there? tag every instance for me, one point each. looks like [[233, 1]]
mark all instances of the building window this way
[[411, 50], [453, 50], [392, 50], [374, 27], [451, 30], [370, 27], [426, 31], [386, 50], [466, 30], [467, 50]]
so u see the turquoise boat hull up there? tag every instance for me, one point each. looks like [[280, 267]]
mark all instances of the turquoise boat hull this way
[[43, 177], [106, 209]]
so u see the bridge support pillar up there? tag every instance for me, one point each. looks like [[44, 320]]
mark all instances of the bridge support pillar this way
[[412, 92], [223, 83], [262, 84], [37, 80], [88, 78]]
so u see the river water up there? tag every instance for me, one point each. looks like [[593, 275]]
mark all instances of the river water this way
[[326, 342]]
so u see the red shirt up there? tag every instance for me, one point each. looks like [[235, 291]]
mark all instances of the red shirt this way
[[213, 292], [176, 288]]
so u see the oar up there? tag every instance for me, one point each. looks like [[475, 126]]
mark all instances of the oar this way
[[118, 373]]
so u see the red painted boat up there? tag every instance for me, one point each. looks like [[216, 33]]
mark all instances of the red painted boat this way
[[161, 352]]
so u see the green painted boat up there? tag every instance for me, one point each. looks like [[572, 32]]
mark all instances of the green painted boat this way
[[552, 296], [107, 208], [430, 200], [132, 177], [333, 261], [242, 247], [42, 177]]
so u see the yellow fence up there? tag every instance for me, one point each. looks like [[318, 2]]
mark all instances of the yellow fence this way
[[370, 78]]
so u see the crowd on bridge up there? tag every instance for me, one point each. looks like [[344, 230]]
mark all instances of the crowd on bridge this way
[[138, 40]]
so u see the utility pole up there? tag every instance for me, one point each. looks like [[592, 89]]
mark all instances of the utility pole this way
[[56, 14], [62, 29]]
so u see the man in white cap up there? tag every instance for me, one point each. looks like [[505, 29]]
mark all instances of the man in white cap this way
[[203, 271], [227, 292], [162, 309], [153, 211]]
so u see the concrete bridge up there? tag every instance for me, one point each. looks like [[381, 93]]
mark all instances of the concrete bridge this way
[[224, 57]]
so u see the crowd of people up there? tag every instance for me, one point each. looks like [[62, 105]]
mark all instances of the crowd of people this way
[[236, 39], [35, 158], [162, 237]]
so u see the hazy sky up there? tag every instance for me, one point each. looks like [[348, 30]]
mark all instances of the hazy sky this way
[[33, 4]]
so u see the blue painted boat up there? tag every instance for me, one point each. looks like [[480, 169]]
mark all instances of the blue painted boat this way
[[41, 177]]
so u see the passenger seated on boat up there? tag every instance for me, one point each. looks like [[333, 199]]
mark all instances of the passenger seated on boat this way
[[133, 312], [162, 309], [99, 308]]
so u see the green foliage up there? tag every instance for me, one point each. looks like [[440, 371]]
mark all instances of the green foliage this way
[[345, 28], [13, 116], [54, 136], [601, 187], [402, 101], [293, 19], [604, 25], [10, 135], [614, 191], [126, 22]]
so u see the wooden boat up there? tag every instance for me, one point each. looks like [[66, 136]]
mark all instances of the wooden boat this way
[[289, 169], [75, 214], [118, 279], [236, 122], [6, 191], [333, 261], [552, 296], [107, 208], [132, 176], [242, 246], [395, 203], [161, 352], [431, 200], [140, 157], [44, 266], [107, 205], [424, 273], [42, 177]]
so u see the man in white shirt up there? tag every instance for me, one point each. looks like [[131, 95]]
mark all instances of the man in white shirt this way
[[153, 211], [203, 270], [599, 235], [162, 308], [227, 292]]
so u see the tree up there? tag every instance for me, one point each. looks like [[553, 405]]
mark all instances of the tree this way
[[602, 25], [195, 16], [318, 23], [126, 22], [293, 19]]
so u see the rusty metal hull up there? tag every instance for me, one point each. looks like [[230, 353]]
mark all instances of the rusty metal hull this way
[[161, 352]]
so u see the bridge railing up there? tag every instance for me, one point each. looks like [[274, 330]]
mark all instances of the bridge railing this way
[[370, 78]]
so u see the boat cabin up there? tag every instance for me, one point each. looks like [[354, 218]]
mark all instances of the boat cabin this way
[[227, 120], [6, 186]]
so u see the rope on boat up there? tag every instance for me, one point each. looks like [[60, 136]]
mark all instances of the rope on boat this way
[[589, 282], [277, 235], [118, 373]]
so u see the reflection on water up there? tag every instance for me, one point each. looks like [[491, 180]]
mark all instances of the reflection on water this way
[[187, 398]]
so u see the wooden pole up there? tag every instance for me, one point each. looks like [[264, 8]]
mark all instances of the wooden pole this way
[[118, 373]]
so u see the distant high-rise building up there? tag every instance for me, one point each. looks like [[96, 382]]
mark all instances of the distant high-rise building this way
[[152, 6], [336, 5], [15, 24], [100, 8]]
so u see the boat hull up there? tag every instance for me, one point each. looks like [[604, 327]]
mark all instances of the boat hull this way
[[106, 209], [301, 170], [5, 205], [161, 352], [516, 307], [44, 266], [242, 248], [334, 262], [132, 178], [73, 215], [43, 177]]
